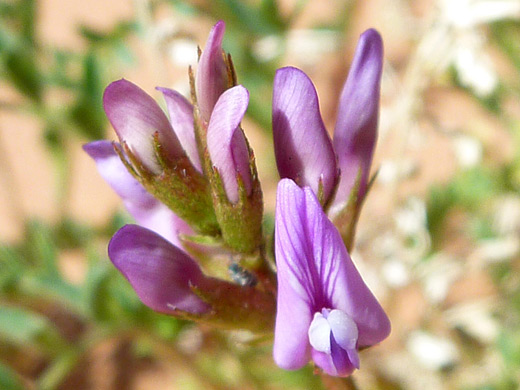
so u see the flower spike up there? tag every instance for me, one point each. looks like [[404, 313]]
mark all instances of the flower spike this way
[[325, 311]]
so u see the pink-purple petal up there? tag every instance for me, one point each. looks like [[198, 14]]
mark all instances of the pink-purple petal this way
[[302, 146], [347, 291], [356, 126], [160, 273], [136, 117], [336, 364], [181, 119], [146, 210], [226, 143], [315, 272], [212, 78]]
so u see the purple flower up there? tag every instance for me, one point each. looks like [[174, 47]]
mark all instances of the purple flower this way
[[169, 281], [212, 74], [136, 118], [303, 149], [325, 311], [227, 146], [145, 209], [161, 274], [355, 134]]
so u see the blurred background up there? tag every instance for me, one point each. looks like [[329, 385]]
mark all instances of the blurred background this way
[[439, 237]]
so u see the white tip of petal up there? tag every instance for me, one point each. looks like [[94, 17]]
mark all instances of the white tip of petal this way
[[344, 329], [319, 334]]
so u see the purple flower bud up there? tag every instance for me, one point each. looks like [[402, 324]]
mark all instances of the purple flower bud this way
[[146, 210], [227, 146], [212, 76], [324, 310], [161, 274], [302, 146], [181, 119], [136, 117], [355, 134]]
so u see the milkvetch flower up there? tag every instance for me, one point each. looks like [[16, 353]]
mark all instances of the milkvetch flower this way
[[355, 134], [142, 206], [237, 196], [304, 151], [169, 281], [302, 146], [325, 311], [160, 273], [161, 153]]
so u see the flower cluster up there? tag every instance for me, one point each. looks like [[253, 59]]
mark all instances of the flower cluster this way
[[189, 180]]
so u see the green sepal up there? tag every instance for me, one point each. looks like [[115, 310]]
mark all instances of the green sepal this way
[[208, 241], [346, 219], [179, 186], [234, 306], [240, 222]]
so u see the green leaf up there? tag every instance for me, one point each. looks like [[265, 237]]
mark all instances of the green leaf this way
[[27, 16], [11, 267], [118, 33], [245, 17], [96, 293], [9, 380], [23, 327], [88, 112], [22, 70], [509, 347], [42, 248], [507, 35]]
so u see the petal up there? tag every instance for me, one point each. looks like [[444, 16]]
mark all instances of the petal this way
[[317, 265], [355, 134], [344, 329], [353, 357], [294, 304], [337, 363], [160, 273], [345, 290], [303, 148], [136, 117], [145, 209], [212, 77], [181, 119], [116, 175], [319, 333], [227, 147]]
